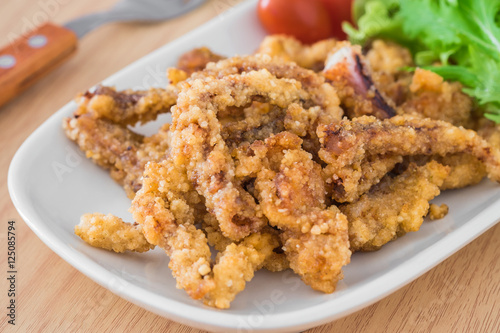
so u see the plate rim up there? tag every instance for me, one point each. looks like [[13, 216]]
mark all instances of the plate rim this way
[[201, 316]]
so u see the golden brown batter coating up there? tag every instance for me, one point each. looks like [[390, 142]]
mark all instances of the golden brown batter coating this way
[[111, 233], [393, 207], [275, 262], [166, 209], [348, 183], [432, 97], [490, 132], [256, 122], [197, 138], [197, 59], [127, 107], [387, 61], [422, 93], [100, 124], [465, 169], [115, 147], [388, 57], [258, 156], [349, 143], [438, 212], [291, 192], [290, 49]]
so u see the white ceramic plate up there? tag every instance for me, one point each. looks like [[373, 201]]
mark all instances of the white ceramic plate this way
[[52, 184]]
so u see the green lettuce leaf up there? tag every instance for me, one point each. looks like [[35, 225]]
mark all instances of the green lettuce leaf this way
[[379, 18], [463, 35]]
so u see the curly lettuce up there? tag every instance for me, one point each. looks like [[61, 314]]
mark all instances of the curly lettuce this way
[[463, 36]]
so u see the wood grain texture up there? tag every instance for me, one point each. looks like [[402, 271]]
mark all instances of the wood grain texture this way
[[460, 295]]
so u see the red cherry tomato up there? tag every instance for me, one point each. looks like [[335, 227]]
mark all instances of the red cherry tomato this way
[[307, 20], [339, 11]]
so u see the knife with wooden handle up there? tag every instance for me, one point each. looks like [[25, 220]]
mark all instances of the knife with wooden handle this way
[[32, 56]]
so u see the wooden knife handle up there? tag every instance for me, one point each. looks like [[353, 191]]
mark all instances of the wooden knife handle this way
[[32, 56]]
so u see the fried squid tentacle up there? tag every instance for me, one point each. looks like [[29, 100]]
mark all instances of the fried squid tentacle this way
[[347, 71], [275, 262], [387, 61], [465, 169], [115, 147], [432, 97], [197, 139], [197, 59], [291, 192], [348, 183], [290, 49], [166, 209], [489, 131], [100, 124], [393, 207], [350, 143], [127, 107], [111, 233]]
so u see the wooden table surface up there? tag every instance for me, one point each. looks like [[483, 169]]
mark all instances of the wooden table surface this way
[[460, 295]]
